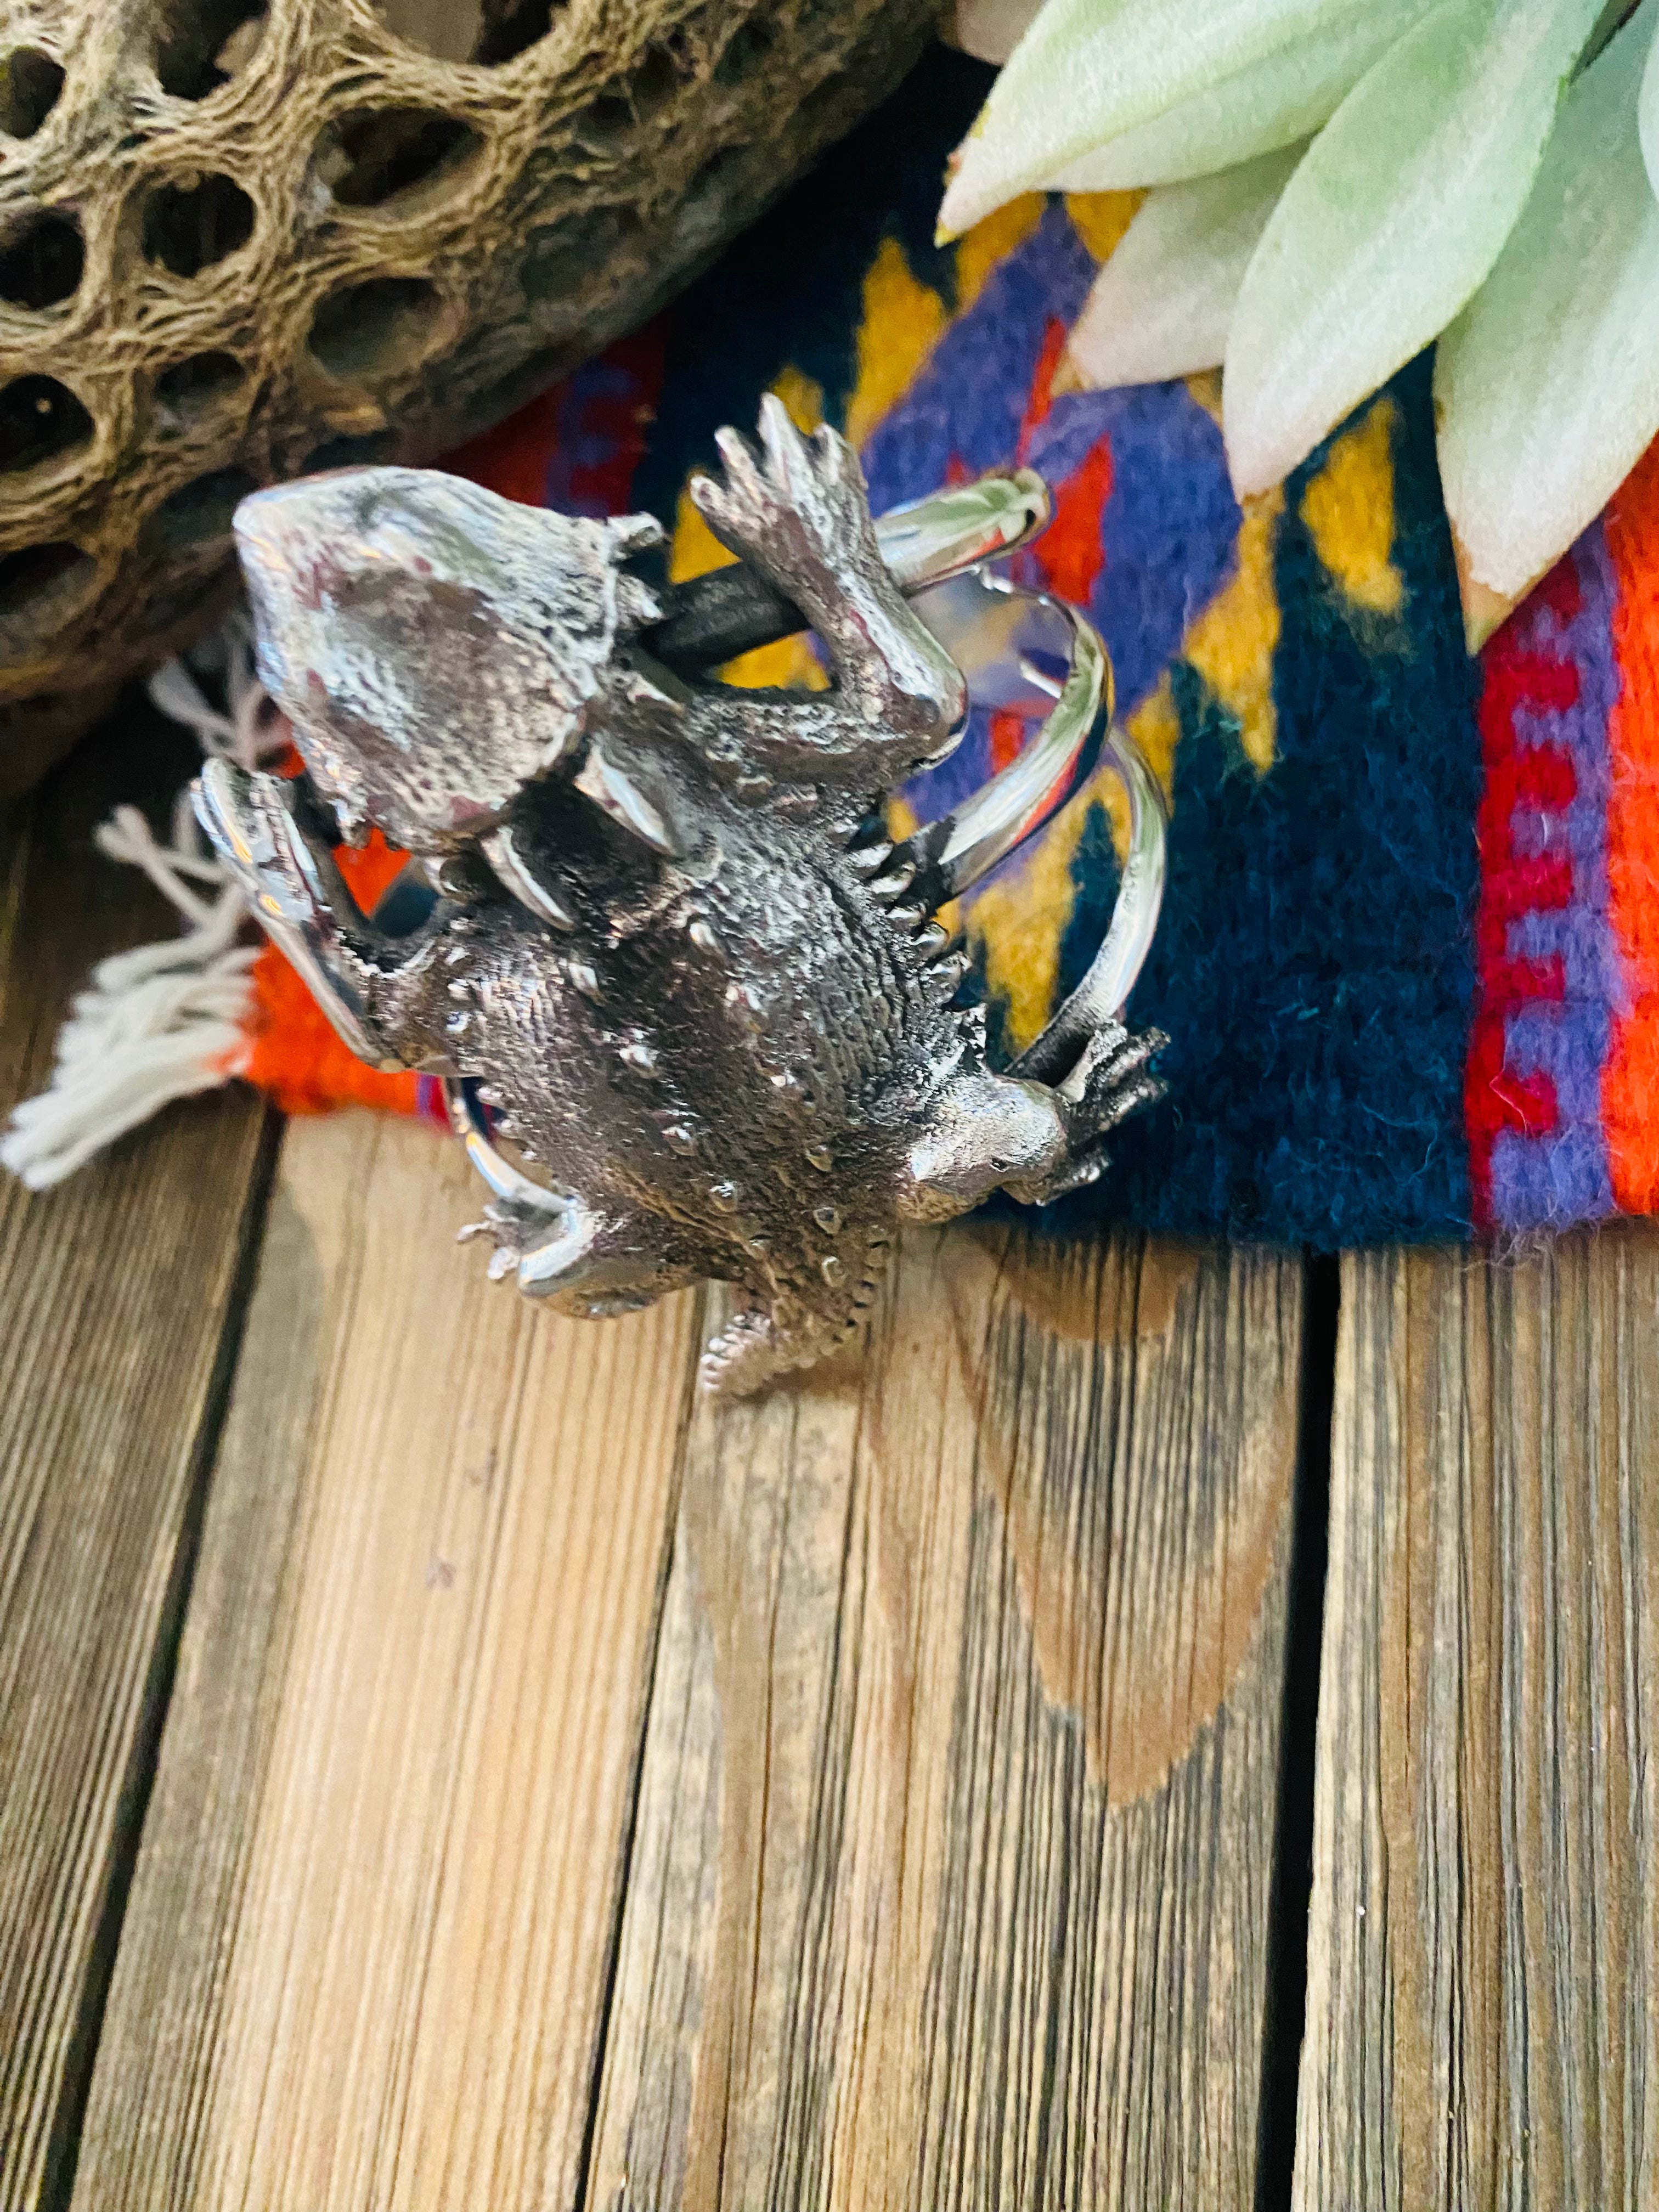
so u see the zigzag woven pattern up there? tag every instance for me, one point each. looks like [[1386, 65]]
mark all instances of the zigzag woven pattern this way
[[1563, 1090], [1410, 957]]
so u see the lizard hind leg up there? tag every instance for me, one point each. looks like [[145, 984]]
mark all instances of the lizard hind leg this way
[[562, 1252], [1037, 1141]]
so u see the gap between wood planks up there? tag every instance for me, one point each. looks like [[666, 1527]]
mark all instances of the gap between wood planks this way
[[123, 1296], [63, 2142], [1292, 1877]]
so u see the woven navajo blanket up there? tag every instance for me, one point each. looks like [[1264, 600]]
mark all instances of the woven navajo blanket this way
[[1409, 957]]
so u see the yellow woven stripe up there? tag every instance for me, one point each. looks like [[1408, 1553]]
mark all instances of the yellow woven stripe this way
[[1348, 508], [994, 241], [1232, 644], [902, 323], [1101, 218]]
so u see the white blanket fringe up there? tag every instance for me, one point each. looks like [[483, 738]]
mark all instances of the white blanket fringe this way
[[163, 1021]]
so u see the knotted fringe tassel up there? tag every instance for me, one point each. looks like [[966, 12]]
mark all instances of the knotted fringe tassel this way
[[167, 1020]]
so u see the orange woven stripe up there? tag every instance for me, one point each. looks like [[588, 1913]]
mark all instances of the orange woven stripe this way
[[1629, 1082]]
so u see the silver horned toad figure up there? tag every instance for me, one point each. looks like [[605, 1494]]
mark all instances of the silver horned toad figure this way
[[671, 947]]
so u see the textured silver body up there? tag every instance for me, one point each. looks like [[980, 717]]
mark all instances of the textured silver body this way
[[671, 953]]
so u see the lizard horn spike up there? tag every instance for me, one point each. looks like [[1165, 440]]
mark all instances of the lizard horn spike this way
[[620, 794], [515, 874]]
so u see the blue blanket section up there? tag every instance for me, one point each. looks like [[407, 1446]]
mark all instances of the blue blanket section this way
[[1314, 963]]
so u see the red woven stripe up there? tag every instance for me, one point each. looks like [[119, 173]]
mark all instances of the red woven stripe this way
[[1519, 774]]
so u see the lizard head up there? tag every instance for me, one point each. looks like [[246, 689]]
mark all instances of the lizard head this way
[[436, 647]]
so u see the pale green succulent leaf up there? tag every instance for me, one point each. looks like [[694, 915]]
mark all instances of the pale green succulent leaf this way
[[1270, 104], [1548, 384], [1393, 221], [1162, 305], [1088, 70], [1648, 112]]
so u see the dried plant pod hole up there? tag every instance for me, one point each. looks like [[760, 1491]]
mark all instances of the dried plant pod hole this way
[[486, 31], [508, 30], [30, 82], [40, 588], [194, 221], [41, 258], [40, 421], [362, 331], [202, 44], [605, 126], [364, 453], [743, 52], [192, 387], [200, 512], [655, 83], [376, 157], [609, 125]]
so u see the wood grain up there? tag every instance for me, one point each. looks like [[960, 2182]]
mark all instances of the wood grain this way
[[118, 1292], [375, 1907], [1483, 1988], [955, 1839]]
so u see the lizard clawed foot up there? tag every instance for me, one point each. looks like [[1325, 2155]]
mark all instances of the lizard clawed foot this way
[[796, 512], [547, 1249], [566, 1253], [1113, 1080], [1117, 1081]]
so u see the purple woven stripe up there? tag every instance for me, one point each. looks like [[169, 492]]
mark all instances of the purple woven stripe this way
[[1561, 1175], [967, 404]]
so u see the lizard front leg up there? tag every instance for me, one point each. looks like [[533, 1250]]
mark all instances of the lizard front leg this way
[[381, 994]]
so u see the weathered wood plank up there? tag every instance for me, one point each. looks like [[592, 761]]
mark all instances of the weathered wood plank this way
[[366, 1952], [1483, 1982], [119, 1292], [954, 1849]]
